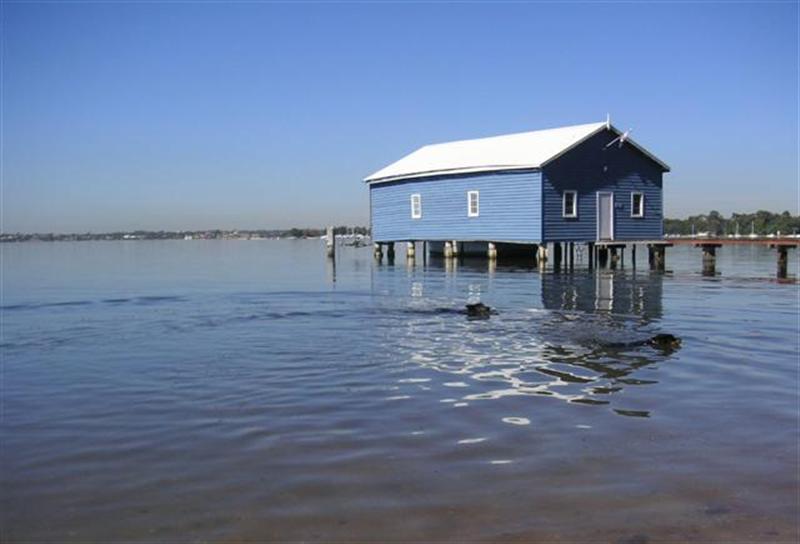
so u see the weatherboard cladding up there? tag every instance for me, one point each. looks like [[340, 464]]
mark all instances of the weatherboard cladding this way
[[581, 169], [510, 208]]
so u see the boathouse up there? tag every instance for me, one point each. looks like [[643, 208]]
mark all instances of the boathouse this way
[[577, 184]]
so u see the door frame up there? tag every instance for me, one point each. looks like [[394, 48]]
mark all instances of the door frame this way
[[597, 200]]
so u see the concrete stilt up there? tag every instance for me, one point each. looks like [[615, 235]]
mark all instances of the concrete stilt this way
[[536, 255], [633, 255], [448, 250], [590, 252], [455, 248], [411, 250], [491, 251], [614, 257], [377, 251]]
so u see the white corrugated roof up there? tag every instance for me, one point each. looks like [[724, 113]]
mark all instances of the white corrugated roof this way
[[525, 150]]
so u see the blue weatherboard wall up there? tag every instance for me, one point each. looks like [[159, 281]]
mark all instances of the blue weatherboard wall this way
[[581, 169], [510, 208]]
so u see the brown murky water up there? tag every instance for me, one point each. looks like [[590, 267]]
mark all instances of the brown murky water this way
[[247, 391]]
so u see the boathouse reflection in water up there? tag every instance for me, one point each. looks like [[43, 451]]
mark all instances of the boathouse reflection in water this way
[[577, 337]]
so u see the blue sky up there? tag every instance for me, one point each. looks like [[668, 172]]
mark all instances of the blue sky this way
[[256, 115]]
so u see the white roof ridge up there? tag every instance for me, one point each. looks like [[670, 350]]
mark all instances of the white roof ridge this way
[[512, 134], [520, 150]]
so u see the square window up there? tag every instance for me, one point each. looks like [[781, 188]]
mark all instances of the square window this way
[[570, 204], [416, 206], [637, 205], [473, 204]]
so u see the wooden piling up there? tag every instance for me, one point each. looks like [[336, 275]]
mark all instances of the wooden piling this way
[[656, 254], [633, 255], [556, 255], [783, 262], [377, 251], [572, 255], [602, 257], [390, 252], [659, 258], [455, 248], [330, 243], [709, 257], [590, 252], [783, 258]]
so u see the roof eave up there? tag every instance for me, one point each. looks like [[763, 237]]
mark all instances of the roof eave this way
[[451, 172]]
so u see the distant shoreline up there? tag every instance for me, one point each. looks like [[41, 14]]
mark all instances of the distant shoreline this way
[[215, 234], [247, 236]]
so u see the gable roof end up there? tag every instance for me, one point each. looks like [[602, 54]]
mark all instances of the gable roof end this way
[[521, 151]]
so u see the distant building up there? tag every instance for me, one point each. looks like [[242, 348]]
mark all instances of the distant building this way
[[584, 183]]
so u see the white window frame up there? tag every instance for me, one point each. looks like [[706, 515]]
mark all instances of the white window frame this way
[[477, 211], [640, 213], [574, 213], [416, 213]]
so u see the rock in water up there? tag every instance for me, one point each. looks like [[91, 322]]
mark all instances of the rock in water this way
[[667, 342], [478, 310]]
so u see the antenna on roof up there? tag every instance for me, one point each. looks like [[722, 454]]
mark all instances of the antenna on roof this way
[[608, 121], [620, 139]]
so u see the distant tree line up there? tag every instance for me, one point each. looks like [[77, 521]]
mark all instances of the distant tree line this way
[[212, 234], [316, 233], [761, 223]]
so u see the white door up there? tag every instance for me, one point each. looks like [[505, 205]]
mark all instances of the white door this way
[[605, 216]]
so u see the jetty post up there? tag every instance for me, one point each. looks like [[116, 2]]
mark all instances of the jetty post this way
[[783, 257], [709, 257], [657, 254], [330, 243]]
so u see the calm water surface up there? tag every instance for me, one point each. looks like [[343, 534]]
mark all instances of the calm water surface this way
[[250, 391]]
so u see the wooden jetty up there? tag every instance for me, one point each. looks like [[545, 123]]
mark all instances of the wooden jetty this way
[[601, 254]]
